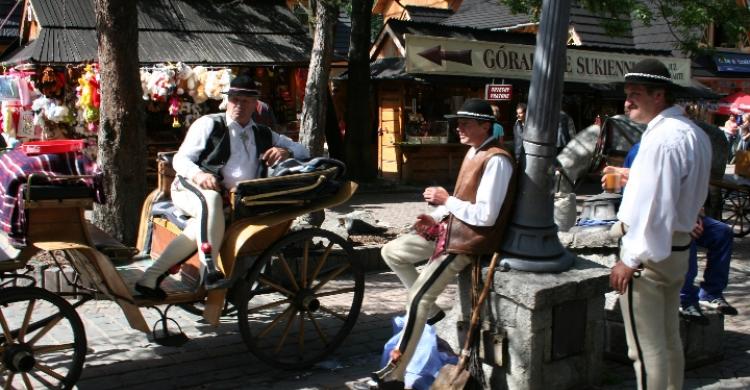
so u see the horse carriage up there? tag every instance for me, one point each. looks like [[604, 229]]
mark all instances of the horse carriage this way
[[295, 292]]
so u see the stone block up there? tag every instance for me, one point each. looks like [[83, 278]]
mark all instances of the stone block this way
[[534, 289], [54, 279], [521, 311], [51, 280], [701, 344], [369, 258]]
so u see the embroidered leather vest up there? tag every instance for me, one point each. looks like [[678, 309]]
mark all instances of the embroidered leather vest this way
[[479, 240]]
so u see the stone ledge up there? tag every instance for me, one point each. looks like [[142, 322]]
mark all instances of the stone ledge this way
[[701, 344], [587, 237], [535, 289]]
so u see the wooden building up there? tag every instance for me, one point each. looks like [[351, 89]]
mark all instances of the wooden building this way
[[427, 61]]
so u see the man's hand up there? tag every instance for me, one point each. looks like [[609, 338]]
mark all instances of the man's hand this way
[[624, 174], [435, 195], [697, 229], [620, 277], [424, 223], [274, 155], [207, 181]]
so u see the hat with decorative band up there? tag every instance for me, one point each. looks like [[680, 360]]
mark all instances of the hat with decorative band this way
[[474, 109], [242, 85], [650, 72]]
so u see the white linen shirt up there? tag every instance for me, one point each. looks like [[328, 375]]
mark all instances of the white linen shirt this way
[[242, 163], [490, 194], [667, 186]]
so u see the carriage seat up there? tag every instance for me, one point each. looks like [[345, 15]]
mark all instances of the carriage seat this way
[[59, 192], [166, 209]]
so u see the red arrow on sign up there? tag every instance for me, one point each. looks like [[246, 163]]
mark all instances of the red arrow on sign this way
[[437, 55]]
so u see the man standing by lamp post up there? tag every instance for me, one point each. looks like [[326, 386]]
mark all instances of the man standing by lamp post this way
[[666, 188]]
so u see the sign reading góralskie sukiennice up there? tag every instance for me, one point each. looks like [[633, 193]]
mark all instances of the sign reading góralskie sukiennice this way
[[450, 56]]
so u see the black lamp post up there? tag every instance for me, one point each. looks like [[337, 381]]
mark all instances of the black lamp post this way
[[531, 242]]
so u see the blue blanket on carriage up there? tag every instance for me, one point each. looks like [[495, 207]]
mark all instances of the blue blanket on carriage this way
[[15, 169]]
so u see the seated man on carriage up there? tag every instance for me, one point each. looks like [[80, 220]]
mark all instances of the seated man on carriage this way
[[219, 151]]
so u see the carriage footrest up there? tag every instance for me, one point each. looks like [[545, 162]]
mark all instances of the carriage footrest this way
[[161, 333], [216, 280]]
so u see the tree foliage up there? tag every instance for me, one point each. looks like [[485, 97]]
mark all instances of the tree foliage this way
[[687, 19]]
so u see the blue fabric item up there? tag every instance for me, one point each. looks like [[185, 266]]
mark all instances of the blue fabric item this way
[[497, 130], [595, 222], [429, 357], [718, 239], [631, 155], [167, 209]]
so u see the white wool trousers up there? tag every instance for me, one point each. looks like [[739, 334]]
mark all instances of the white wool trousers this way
[[189, 241], [402, 255], [652, 326]]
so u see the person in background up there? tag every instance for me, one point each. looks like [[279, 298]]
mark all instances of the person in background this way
[[566, 130], [670, 175], [518, 128], [743, 133], [497, 129], [730, 129], [264, 115]]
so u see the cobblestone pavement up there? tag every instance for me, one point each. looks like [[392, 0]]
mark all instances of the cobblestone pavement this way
[[216, 358]]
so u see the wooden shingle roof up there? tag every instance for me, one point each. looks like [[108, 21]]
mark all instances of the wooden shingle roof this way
[[427, 14], [220, 32], [491, 14], [12, 10]]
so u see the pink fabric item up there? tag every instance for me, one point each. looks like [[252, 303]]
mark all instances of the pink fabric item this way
[[441, 238]]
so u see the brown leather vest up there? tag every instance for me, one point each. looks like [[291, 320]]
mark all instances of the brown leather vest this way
[[479, 240]]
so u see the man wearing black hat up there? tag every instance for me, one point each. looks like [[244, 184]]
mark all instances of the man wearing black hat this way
[[667, 186], [463, 226], [219, 151]]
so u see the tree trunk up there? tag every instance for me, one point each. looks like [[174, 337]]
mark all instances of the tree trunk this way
[[358, 138], [122, 151], [316, 90]]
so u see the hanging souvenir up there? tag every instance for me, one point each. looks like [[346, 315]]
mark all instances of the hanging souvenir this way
[[174, 111], [89, 98], [26, 128], [185, 81], [200, 74], [51, 83], [11, 114]]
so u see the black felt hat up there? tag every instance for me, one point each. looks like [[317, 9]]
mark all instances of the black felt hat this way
[[650, 72], [475, 109], [242, 85]]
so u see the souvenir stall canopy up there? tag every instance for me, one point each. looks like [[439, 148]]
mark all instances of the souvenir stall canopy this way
[[189, 51]]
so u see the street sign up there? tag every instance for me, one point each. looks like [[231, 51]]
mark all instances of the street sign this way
[[498, 92]]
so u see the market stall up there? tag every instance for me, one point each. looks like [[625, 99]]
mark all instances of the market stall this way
[[422, 71], [189, 51]]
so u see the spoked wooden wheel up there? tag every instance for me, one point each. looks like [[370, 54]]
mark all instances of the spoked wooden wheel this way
[[736, 211], [300, 299], [43, 341]]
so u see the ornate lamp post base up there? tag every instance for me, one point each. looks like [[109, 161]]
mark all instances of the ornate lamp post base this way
[[535, 250]]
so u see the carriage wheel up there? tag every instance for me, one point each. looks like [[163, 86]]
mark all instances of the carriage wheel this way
[[736, 211], [301, 299], [42, 340]]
